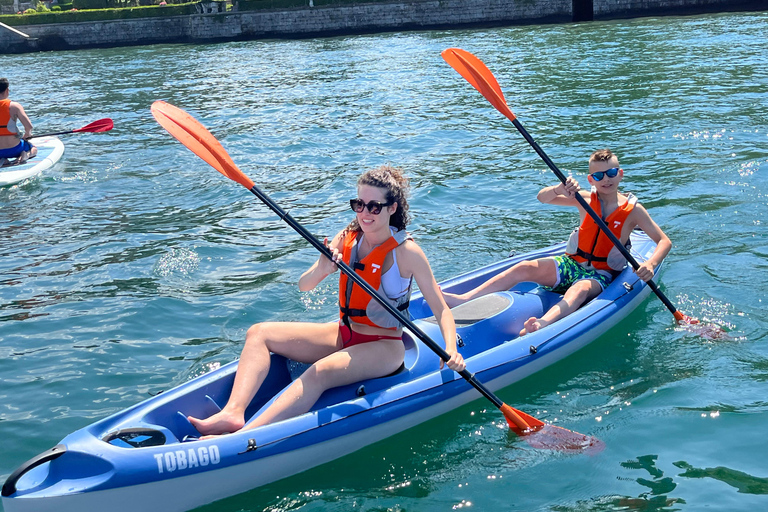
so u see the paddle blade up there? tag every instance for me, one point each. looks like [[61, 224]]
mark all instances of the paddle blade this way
[[705, 330], [188, 130], [479, 76], [101, 125], [550, 437], [518, 420]]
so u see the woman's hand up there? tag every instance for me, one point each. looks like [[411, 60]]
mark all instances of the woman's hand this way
[[326, 265], [455, 363]]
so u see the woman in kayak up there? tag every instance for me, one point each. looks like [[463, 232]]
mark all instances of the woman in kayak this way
[[10, 112], [366, 342]]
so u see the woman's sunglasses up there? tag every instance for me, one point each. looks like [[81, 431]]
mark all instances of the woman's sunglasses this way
[[611, 173], [374, 207]]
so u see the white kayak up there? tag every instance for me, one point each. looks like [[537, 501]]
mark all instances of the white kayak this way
[[49, 151]]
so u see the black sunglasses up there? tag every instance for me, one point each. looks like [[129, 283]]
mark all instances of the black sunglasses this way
[[374, 207], [611, 173]]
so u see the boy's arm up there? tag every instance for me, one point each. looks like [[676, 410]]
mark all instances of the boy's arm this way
[[562, 194], [18, 110], [663, 244]]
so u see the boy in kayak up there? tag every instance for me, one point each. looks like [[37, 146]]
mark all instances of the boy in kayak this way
[[10, 112], [367, 340], [591, 261]]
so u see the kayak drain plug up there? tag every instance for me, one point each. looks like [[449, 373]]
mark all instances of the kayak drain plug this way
[[251, 446]]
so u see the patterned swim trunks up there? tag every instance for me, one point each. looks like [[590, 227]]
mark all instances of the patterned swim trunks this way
[[569, 271]]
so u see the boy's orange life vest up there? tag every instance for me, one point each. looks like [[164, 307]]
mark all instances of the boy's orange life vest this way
[[353, 300], [594, 246], [5, 117]]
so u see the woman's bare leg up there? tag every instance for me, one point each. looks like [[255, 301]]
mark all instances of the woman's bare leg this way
[[300, 341], [353, 364]]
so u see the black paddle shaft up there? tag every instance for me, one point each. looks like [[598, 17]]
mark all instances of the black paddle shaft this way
[[599, 221], [317, 244]]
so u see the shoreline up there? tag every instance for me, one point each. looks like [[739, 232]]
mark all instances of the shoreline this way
[[343, 19]]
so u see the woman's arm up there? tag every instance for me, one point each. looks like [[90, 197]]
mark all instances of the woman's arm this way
[[413, 260], [323, 267]]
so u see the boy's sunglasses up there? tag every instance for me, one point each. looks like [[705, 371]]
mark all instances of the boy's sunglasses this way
[[374, 207], [611, 173]]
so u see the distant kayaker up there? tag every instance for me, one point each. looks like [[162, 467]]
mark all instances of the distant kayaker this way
[[591, 261], [367, 340], [10, 112]]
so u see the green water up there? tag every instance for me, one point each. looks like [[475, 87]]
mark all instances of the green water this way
[[133, 266]]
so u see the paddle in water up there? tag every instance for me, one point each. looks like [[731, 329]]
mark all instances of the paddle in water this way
[[101, 125], [481, 78], [187, 130]]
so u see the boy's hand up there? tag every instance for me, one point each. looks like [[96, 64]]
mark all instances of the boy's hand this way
[[570, 188], [645, 271]]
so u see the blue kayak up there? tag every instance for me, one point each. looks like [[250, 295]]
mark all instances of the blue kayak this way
[[145, 458]]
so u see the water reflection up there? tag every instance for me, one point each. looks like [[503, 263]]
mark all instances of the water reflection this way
[[742, 481]]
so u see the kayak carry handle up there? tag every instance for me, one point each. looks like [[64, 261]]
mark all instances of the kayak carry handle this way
[[138, 437], [9, 487]]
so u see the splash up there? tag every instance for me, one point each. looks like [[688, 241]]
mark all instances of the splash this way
[[177, 261], [709, 322]]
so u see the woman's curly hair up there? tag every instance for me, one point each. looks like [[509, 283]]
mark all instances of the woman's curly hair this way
[[394, 181]]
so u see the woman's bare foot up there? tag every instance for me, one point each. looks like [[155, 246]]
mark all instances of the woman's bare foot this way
[[533, 324], [220, 423]]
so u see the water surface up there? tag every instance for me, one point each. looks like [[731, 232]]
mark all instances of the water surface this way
[[132, 266]]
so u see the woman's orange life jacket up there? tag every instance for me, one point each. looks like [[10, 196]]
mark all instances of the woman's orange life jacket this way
[[591, 246], [5, 117], [355, 303]]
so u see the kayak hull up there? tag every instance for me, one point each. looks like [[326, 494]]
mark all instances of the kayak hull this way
[[49, 151], [102, 469]]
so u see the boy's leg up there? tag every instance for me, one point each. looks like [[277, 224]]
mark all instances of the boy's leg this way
[[577, 294], [542, 271]]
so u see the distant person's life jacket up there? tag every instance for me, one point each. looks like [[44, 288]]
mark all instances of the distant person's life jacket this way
[[5, 119]]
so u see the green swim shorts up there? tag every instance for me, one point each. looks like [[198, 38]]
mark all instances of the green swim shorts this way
[[569, 271]]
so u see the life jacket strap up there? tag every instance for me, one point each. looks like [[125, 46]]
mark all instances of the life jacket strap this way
[[589, 257], [347, 312]]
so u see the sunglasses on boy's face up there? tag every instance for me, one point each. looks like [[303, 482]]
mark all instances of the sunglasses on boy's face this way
[[374, 207], [611, 173]]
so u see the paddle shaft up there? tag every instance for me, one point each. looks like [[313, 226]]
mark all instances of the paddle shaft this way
[[101, 125], [437, 349], [52, 134], [598, 220]]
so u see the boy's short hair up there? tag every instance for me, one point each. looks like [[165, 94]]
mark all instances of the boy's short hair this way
[[3, 85], [602, 155]]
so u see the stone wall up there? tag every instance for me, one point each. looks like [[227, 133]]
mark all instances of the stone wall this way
[[321, 21], [288, 23], [613, 8]]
